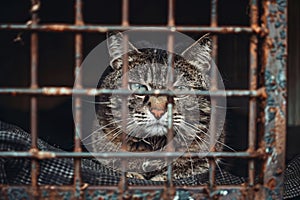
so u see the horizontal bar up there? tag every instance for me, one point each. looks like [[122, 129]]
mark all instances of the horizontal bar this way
[[59, 192], [64, 91], [191, 188], [50, 155], [130, 187], [105, 28]]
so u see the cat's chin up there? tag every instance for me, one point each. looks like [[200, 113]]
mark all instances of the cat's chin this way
[[156, 129], [147, 144]]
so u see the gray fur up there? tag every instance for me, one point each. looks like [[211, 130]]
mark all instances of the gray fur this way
[[146, 129]]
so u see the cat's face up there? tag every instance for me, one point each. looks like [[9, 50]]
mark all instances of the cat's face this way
[[147, 115]]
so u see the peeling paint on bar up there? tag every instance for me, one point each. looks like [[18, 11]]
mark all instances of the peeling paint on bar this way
[[252, 121], [275, 54]]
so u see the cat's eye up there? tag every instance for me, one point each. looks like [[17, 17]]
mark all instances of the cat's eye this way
[[181, 88], [138, 87]]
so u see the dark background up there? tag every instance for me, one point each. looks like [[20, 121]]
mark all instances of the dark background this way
[[56, 59]]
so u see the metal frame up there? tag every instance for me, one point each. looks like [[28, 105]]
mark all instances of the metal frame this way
[[271, 92]]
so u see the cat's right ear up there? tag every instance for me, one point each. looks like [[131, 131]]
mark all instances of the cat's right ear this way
[[115, 44], [199, 53]]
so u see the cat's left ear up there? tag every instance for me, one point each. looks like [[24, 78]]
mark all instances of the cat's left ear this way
[[199, 53], [115, 44]]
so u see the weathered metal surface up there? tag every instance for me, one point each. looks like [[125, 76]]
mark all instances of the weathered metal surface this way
[[275, 54], [125, 13], [124, 111], [274, 62], [103, 28], [78, 101], [169, 190], [252, 86], [133, 192], [63, 91], [35, 6], [49, 155]]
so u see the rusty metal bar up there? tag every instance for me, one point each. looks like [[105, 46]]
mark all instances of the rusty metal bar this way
[[213, 100], [169, 186], [125, 13], [124, 112], [214, 13], [94, 192], [130, 187], [78, 102], [274, 59], [62, 91], [252, 86], [50, 155], [35, 6], [105, 28], [171, 13], [169, 191]]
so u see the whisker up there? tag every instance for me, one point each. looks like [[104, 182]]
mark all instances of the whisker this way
[[103, 136], [115, 135], [198, 137], [209, 136], [134, 132], [223, 177], [98, 129], [182, 136]]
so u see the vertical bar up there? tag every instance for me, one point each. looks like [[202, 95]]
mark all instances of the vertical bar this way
[[125, 13], [124, 113], [274, 58], [213, 86], [78, 85], [35, 5], [169, 190], [169, 187], [252, 86], [125, 22], [171, 13], [214, 13]]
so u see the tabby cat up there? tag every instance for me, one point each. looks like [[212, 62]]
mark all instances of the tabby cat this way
[[147, 121]]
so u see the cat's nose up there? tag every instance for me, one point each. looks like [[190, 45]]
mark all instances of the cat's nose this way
[[157, 106], [158, 113]]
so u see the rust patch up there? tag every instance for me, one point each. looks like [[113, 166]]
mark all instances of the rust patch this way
[[271, 184]]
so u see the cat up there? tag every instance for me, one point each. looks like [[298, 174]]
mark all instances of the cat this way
[[147, 121]]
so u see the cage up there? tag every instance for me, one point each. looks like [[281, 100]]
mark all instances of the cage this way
[[249, 47]]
